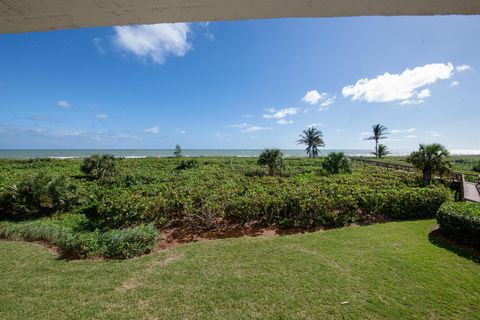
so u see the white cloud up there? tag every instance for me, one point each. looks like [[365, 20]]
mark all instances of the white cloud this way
[[327, 102], [454, 84], [256, 128], [97, 42], [410, 136], [64, 104], [365, 133], [220, 135], [403, 130], [411, 102], [280, 114], [433, 133], [284, 121], [463, 67], [425, 93], [153, 130], [182, 132], [313, 96], [240, 125], [399, 87], [247, 115], [155, 42], [101, 117]]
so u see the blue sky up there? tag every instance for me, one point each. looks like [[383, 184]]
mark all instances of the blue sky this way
[[243, 84]]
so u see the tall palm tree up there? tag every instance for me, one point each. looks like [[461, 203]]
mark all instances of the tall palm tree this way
[[313, 139], [379, 133], [432, 158]]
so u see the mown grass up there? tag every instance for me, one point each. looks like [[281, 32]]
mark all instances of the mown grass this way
[[384, 271]]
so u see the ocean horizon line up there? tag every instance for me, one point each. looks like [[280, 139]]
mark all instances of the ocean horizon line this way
[[146, 153]]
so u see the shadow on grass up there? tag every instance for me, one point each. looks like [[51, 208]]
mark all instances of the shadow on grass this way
[[440, 240]]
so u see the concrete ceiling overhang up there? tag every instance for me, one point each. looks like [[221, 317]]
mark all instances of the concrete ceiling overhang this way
[[41, 15]]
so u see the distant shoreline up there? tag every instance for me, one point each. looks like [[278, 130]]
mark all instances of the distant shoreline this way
[[161, 153]]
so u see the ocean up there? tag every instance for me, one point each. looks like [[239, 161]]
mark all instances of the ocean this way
[[143, 153]]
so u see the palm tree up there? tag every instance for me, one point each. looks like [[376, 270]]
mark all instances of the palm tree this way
[[336, 162], [99, 166], [432, 158], [313, 139], [382, 150], [379, 132], [273, 159], [178, 151]]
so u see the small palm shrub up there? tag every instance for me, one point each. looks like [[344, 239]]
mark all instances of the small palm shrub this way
[[41, 195], [336, 162], [273, 159], [99, 166], [382, 151]]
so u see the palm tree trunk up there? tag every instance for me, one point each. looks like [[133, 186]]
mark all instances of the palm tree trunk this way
[[376, 148], [427, 176]]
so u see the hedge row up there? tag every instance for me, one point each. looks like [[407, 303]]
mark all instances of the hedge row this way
[[288, 206], [67, 231], [461, 222]]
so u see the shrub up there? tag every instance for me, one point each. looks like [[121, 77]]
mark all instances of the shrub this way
[[69, 233], [273, 159], [99, 166], [336, 162], [127, 243], [476, 167], [411, 203], [460, 221], [120, 208], [40, 195], [187, 164]]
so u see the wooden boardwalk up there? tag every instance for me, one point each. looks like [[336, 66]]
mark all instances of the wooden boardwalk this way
[[469, 191]]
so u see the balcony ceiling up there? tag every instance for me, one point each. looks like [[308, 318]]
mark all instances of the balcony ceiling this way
[[41, 15]]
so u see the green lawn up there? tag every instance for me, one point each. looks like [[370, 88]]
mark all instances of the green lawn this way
[[384, 271]]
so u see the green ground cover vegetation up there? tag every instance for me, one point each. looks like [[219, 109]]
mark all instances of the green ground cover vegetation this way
[[127, 198]]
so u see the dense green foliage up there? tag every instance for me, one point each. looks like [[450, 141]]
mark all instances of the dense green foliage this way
[[38, 195], [384, 271], [72, 234], [476, 167], [336, 162], [99, 166], [313, 139], [221, 188], [461, 222], [187, 164]]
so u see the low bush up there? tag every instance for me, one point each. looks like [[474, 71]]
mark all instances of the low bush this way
[[70, 233], [187, 164], [476, 167], [99, 166], [39, 195], [120, 208], [460, 221], [336, 162]]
